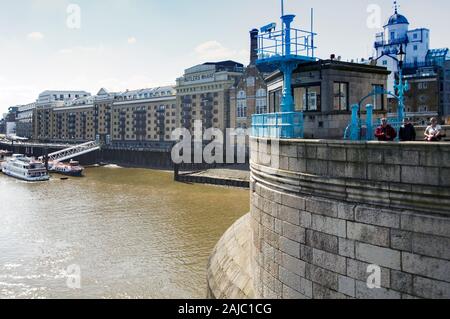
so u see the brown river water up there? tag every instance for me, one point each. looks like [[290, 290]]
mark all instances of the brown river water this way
[[131, 233]]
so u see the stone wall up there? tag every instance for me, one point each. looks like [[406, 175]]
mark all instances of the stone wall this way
[[323, 211], [229, 268]]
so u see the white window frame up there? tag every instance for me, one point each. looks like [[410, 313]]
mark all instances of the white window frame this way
[[261, 101], [241, 105]]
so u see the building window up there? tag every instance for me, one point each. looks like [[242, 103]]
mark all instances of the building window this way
[[415, 47], [275, 100], [307, 98], [385, 62], [340, 96], [261, 101], [242, 105], [423, 85], [378, 100]]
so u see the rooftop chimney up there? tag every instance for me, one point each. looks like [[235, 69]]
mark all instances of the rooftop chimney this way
[[253, 46]]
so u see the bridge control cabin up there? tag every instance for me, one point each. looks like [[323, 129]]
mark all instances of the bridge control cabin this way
[[325, 90]]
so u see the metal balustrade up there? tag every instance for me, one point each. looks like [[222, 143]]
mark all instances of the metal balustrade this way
[[274, 45], [72, 152], [278, 125]]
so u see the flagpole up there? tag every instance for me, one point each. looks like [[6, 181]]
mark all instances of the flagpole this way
[[282, 8]]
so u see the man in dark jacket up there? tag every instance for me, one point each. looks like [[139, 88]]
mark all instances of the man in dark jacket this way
[[407, 131], [385, 132]]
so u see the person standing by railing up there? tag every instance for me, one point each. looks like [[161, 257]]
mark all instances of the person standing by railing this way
[[434, 132], [407, 131], [385, 132]]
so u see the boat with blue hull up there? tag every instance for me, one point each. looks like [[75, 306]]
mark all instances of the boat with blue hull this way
[[72, 168]]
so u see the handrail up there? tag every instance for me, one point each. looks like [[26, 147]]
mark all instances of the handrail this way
[[72, 152]]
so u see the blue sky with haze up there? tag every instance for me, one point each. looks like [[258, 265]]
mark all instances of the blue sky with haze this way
[[129, 44]]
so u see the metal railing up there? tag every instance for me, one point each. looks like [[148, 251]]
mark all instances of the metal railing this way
[[367, 132], [273, 44], [72, 152], [278, 125], [394, 41]]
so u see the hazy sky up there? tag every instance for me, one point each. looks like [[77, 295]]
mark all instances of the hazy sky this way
[[129, 44]]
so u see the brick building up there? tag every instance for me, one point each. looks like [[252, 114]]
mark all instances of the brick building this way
[[141, 118], [203, 93], [249, 95]]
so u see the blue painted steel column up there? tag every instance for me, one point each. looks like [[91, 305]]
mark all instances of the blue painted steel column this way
[[401, 97], [287, 102], [287, 20], [354, 127], [287, 67], [369, 123]]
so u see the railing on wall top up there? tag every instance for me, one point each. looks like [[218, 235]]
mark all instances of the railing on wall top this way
[[278, 125]]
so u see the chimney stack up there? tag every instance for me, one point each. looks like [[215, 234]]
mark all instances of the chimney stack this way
[[253, 46]]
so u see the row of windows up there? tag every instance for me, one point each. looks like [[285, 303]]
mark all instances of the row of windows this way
[[146, 95], [201, 88], [308, 98], [215, 120], [149, 137], [215, 103], [134, 116], [136, 129], [143, 108], [422, 85], [201, 96], [241, 104]]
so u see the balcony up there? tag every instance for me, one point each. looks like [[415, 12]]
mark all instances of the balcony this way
[[395, 41], [186, 124], [207, 107], [208, 114]]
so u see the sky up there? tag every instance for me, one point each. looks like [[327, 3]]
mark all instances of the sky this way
[[131, 44]]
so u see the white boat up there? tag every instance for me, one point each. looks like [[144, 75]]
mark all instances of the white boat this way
[[25, 168]]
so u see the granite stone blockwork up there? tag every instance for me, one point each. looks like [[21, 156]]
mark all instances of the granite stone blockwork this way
[[316, 230]]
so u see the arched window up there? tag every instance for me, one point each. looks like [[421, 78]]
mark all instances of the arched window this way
[[242, 104], [261, 101]]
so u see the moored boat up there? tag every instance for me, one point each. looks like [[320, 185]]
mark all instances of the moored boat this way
[[4, 154], [72, 168], [25, 168]]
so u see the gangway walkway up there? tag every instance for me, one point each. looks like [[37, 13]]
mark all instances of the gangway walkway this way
[[71, 152]]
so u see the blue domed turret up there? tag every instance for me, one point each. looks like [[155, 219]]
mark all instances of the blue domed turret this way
[[397, 19]]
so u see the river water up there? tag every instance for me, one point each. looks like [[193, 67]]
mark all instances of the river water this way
[[128, 233]]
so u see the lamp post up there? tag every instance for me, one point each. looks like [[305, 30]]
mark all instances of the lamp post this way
[[402, 86]]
